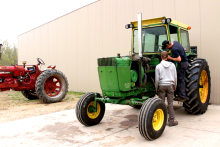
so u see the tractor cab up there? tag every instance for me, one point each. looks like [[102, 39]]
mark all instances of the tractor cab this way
[[155, 31]]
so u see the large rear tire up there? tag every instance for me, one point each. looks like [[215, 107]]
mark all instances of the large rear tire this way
[[85, 110], [152, 118], [198, 87], [30, 94], [51, 86]]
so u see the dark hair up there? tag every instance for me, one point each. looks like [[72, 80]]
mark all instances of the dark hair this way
[[165, 43]]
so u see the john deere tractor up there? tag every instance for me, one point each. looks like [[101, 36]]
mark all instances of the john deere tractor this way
[[129, 80]]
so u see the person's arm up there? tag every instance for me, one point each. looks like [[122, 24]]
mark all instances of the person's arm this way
[[156, 78], [177, 59]]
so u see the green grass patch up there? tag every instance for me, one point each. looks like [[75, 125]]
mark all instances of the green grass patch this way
[[17, 96], [75, 93]]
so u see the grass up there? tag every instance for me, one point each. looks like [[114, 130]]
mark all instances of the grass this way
[[75, 93], [18, 97], [71, 95]]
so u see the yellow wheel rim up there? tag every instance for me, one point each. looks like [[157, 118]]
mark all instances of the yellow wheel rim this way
[[158, 119], [204, 82], [93, 115]]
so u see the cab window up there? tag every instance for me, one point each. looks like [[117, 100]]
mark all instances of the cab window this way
[[152, 39], [185, 39]]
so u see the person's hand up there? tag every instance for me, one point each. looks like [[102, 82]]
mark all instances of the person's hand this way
[[174, 88], [156, 91], [168, 57]]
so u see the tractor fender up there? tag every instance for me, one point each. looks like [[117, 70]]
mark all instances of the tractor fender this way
[[50, 67]]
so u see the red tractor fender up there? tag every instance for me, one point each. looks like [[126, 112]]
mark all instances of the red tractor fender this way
[[52, 66]]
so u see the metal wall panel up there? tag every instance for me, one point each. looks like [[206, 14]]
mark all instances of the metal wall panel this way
[[95, 46], [190, 15], [164, 8], [70, 60], [74, 41], [210, 43]]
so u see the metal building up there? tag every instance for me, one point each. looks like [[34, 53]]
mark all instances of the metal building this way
[[74, 41]]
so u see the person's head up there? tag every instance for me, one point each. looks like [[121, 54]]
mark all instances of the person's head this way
[[164, 55], [166, 44]]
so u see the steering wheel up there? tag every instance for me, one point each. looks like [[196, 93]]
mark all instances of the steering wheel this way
[[40, 61]]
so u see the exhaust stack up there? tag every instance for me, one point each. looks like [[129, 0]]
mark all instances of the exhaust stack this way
[[140, 34]]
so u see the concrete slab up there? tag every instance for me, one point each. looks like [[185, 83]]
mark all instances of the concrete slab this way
[[119, 127]]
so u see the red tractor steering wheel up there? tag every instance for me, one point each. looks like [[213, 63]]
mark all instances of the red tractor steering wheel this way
[[40, 61]]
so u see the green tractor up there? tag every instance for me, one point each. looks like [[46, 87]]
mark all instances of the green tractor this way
[[129, 80]]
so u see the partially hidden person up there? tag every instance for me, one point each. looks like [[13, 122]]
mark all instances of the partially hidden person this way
[[178, 55]]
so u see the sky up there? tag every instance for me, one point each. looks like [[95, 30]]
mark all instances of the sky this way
[[20, 16]]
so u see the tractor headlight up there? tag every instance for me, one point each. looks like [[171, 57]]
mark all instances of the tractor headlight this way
[[168, 20], [164, 21], [127, 26]]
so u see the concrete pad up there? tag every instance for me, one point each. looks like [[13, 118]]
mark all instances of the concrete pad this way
[[119, 127]]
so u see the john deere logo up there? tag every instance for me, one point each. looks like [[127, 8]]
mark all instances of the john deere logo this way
[[127, 85]]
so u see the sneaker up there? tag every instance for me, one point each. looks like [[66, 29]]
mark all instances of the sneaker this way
[[179, 99], [172, 123]]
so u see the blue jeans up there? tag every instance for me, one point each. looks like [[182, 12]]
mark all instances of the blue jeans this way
[[181, 70]]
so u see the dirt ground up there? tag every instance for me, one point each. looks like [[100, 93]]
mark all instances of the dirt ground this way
[[13, 105]]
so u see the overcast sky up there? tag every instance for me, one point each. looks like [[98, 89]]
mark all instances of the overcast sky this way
[[20, 16]]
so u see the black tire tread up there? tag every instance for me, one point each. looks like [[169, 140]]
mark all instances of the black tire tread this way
[[193, 74], [80, 104], [193, 104], [142, 119], [191, 83], [26, 94]]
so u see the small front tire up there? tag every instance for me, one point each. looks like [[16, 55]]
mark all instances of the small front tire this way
[[152, 118], [85, 110]]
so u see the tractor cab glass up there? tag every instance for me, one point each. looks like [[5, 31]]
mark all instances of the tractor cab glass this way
[[173, 33], [152, 39], [185, 39]]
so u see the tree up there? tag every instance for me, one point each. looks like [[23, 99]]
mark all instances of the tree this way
[[9, 54]]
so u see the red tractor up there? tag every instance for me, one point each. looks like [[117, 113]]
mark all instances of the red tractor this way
[[49, 85]]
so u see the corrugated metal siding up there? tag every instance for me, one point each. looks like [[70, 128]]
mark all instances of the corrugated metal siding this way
[[75, 41], [210, 31]]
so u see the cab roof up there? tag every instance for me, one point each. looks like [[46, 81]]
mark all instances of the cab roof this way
[[159, 21]]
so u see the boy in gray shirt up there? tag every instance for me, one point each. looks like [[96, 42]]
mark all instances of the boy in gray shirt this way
[[165, 84]]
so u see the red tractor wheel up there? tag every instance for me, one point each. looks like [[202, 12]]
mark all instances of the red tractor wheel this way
[[30, 94], [51, 86]]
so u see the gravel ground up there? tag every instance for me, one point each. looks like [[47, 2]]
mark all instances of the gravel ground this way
[[14, 106]]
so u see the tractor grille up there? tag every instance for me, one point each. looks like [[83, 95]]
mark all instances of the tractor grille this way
[[105, 62]]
